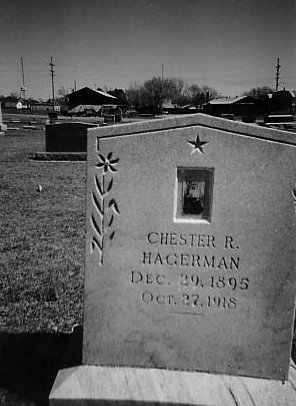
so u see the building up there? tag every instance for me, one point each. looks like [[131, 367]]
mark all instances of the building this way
[[236, 106], [90, 97], [23, 104], [44, 108], [282, 102]]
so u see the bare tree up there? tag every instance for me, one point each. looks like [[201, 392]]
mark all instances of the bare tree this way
[[62, 92], [199, 95], [259, 93], [155, 91]]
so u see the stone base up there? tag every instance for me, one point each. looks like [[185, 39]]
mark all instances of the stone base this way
[[58, 156], [95, 385]]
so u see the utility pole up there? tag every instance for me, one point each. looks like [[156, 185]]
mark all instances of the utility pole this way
[[161, 89], [52, 65], [277, 76], [23, 87]]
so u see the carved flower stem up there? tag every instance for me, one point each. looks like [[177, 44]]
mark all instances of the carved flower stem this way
[[99, 194], [103, 212]]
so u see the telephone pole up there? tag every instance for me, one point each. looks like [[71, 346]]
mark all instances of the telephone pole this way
[[161, 90], [52, 65], [277, 76], [23, 87]]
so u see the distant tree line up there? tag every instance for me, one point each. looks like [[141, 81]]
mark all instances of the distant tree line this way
[[153, 93]]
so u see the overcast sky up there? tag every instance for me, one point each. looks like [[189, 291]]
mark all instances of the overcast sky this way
[[231, 45]]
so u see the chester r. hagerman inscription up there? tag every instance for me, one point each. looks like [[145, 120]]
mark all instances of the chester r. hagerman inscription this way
[[194, 280]]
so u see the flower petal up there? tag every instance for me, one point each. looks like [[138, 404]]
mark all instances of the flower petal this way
[[112, 169], [102, 158]]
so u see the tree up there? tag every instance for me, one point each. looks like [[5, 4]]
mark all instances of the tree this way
[[137, 96], [259, 93], [200, 95], [13, 96], [210, 92], [172, 89], [62, 92], [120, 94], [176, 91], [154, 92], [62, 98]]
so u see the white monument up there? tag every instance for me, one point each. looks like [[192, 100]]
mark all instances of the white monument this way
[[3, 127]]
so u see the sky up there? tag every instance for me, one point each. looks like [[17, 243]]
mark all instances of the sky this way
[[230, 45]]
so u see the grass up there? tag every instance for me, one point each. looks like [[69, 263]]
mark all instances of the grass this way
[[42, 237]]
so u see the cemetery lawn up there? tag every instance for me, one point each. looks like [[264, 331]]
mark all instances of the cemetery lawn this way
[[42, 237]]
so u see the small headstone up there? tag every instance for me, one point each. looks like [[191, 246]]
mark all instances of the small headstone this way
[[67, 137], [53, 116]]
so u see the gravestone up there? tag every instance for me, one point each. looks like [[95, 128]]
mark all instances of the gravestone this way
[[3, 127], [67, 137], [190, 262]]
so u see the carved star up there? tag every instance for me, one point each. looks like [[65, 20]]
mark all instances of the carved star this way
[[197, 145]]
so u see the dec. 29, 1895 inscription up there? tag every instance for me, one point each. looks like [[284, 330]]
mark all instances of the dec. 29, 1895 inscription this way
[[190, 247]]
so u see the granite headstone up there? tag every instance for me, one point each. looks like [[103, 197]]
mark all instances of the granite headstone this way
[[67, 137], [190, 247]]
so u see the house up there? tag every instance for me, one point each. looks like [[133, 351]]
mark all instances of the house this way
[[282, 102], [236, 106], [189, 109], [90, 97], [23, 104], [186, 109]]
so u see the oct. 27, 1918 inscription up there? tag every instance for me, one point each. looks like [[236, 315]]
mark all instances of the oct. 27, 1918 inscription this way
[[197, 278], [190, 247]]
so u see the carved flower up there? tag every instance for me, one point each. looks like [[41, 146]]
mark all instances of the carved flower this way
[[107, 163]]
